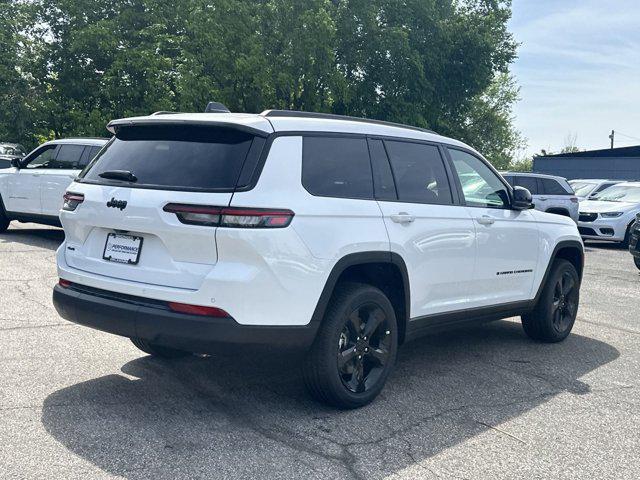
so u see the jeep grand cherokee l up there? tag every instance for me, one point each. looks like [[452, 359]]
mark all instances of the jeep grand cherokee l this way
[[342, 237]]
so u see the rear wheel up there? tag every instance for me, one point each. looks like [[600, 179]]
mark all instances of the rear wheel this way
[[355, 349], [158, 350], [553, 317], [636, 260]]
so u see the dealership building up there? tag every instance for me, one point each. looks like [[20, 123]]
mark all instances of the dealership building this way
[[612, 163]]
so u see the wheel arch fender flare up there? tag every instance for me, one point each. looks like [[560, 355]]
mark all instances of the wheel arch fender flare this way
[[363, 259], [571, 250]]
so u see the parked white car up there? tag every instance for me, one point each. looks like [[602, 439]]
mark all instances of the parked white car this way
[[32, 190], [550, 193], [337, 236], [610, 214], [587, 188]]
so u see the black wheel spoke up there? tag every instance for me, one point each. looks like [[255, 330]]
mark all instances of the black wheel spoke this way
[[378, 355], [356, 322], [568, 284], [345, 357], [376, 317]]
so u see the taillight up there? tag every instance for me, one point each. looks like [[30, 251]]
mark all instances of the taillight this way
[[71, 201], [574, 199], [64, 283], [231, 217], [198, 310]]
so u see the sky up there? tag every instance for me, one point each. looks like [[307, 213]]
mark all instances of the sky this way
[[578, 68]]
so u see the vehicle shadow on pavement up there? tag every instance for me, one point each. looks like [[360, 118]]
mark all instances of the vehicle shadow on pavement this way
[[247, 416], [49, 238]]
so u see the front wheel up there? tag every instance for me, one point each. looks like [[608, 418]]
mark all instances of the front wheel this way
[[355, 348], [555, 313], [158, 350], [636, 260]]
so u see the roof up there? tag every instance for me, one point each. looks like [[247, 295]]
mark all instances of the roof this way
[[532, 174], [604, 153], [272, 121]]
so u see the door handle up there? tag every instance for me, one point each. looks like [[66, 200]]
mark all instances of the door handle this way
[[402, 217], [485, 220], [542, 198]]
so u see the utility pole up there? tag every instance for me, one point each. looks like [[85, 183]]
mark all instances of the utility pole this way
[[613, 133]]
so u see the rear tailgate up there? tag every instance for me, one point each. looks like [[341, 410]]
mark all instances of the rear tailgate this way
[[120, 228], [171, 253]]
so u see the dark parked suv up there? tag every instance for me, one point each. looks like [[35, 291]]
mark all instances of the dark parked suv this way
[[634, 241]]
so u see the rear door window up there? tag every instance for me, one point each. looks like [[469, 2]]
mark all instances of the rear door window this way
[[419, 173], [88, 155], [383, 183], [174, 157], [530, 183], [337, 167], [68, 157]]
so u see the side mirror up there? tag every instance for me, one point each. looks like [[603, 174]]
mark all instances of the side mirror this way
[[15, 162], [521, 199]]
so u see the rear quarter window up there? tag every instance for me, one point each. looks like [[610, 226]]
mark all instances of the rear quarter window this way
[[552, 187], [175, 157], [337, 167]]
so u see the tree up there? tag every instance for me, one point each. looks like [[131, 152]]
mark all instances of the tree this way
[[441, 64]]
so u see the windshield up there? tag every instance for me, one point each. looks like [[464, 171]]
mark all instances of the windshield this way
[[582, 189], [620, 193]]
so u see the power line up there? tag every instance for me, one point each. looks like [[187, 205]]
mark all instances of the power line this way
[[628, 136]]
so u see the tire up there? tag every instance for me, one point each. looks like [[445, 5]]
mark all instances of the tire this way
[[158, 350], [555, 313], [636, 260], [365, 360], [627, 236]]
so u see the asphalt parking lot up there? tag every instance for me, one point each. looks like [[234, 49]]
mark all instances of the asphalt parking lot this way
[[476, 403]]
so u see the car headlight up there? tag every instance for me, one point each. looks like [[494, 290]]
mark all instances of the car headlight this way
[[611, 214]]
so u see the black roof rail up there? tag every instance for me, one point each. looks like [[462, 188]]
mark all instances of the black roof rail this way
[[333, 116]]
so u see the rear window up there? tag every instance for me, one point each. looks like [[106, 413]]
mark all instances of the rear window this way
[[175, 157], [530, 183], [337, 167]]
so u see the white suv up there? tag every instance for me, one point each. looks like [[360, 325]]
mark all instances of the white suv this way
[[338, 236], [31, 191]]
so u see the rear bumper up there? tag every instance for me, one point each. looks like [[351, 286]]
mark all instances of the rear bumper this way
[[151, 320]]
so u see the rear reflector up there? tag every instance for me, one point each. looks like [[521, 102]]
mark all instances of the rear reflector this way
[[198, 310], [64, 283], [72, 200], [231, 217]]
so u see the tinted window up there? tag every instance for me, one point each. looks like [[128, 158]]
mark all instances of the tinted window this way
[[419, 173], [602, 187], [68, 156], [88, 155], [552, 187], [480, 186], [42, 158], [5, 163], [186, 157], [337, 167], [383, 184], [530, 183]]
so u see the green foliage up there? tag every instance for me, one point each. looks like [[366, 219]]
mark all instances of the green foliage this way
[[69, 66]]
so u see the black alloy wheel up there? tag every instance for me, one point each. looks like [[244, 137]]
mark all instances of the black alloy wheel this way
[[364, 348]]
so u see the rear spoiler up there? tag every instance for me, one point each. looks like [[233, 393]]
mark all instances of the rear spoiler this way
[[114, 125]]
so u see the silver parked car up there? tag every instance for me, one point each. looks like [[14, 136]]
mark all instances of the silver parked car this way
[[550, 193], [589, 188]]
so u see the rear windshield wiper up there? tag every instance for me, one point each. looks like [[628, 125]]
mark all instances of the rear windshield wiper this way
[[124, 175]]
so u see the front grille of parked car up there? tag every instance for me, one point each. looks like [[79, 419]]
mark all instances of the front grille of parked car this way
[[588, 217], [587, 231]]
